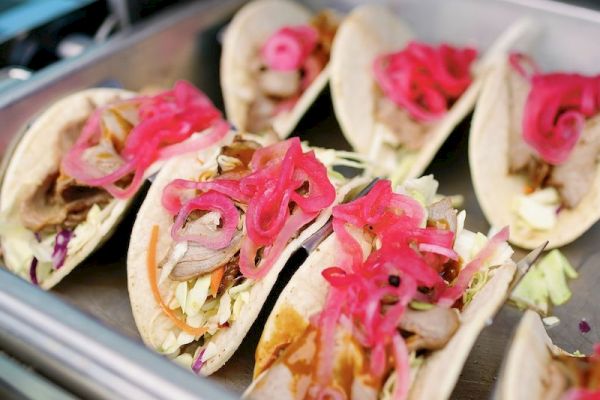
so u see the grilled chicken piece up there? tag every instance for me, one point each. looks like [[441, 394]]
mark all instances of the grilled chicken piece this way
[[575, 177], [442, 215], [408, 132], [432, 328], [199, 260]]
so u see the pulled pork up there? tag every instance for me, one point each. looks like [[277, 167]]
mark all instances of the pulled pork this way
[[429, 329], [407, 131], [60, 202]]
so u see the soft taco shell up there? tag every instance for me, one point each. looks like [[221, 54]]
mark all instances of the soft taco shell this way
[[305, 295], [364, 34], [152, 324], [496, 189], [36, 155], [246, 33], [525, 366]]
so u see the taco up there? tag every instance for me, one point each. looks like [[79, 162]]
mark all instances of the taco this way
[[274, 64], [211, 238], [75, 170], [398, 99], [533, 152], [536, 369], [388, 304]]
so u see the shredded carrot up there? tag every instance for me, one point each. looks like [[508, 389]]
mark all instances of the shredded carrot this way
[[528, 189], [151, 263], [215, 280]]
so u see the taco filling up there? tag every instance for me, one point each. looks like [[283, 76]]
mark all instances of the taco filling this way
[[573, 378], [414, 88], [403, 273], [102, 159], [229, 228], [285, 66], [554, 139]]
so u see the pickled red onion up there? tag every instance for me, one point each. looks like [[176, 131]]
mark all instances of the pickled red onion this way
[[172, 196], [275, 209], [556, 109], [249, 248], [211, 201], [166, 121], [402, 366], [425, 80], [289, 47], [454, 292]]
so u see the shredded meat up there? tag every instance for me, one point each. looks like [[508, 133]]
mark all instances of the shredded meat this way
[[442, 215], [520, 154], [231, 274], [408, 132], [575, 177], [59, 201], [199, 260], [260, 113], [431, 329], [279, 84]]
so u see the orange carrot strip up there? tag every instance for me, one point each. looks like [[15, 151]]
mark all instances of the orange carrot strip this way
[[215, 280], [151, 263]]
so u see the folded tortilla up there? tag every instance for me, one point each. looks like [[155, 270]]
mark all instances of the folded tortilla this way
[[249, 29], [153, 325], [496, 188], [36, 156], [305, 296], [367, 32], [525, 366]]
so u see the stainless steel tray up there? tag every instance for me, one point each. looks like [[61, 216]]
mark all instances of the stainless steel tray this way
[[183, 44]]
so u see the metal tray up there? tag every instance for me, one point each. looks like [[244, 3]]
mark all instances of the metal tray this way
[[183, 44]]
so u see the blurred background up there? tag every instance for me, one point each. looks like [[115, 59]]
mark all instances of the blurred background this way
[[37, 33]]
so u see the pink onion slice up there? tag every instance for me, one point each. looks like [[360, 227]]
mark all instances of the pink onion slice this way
[[166, 122], [425, 80], [556, 108], [288, 48], [211, 201]]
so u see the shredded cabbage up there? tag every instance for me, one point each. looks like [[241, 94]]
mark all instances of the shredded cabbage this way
[[185, 360], [197, 295], [23, 245], [423, 189], [538, 210], [544, 283]]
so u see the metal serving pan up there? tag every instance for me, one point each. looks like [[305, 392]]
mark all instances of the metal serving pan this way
[[182, 43]]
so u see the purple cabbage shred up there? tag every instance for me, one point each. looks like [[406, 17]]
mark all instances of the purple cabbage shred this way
[[59, 254]]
